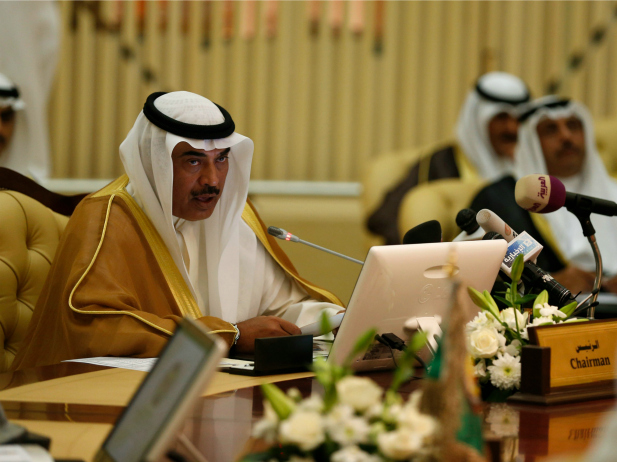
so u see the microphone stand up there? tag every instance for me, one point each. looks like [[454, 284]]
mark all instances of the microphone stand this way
[[598, 281], [285, 236], [590, 233], [332, 252]]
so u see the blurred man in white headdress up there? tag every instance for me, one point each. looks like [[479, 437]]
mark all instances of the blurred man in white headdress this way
[[556, 137], [486, 133], [174, 237], [11, 107], [30, 38]]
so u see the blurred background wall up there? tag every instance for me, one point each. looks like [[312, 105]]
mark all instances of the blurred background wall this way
[[322, 87]]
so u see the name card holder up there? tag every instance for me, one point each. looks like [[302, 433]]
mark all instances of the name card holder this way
[[569, 362]]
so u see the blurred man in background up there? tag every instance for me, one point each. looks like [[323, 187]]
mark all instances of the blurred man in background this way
[[30, 38], [556, 137], [10, 105], [486, 139]]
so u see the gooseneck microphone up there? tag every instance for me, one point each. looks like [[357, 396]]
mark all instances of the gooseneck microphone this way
[[545, 194], [534, 277], [284, 235], [424, 233]]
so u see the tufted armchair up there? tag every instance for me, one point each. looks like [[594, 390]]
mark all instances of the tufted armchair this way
[[29, 235]]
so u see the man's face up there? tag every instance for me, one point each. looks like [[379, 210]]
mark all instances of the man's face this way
[[7, 124], [563, 145], [199, 178], [503, 134]]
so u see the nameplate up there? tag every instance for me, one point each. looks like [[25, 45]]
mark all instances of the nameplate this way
[[581, 352]]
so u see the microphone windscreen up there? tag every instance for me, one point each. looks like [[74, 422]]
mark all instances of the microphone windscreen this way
[[276, 232], [466, 220], [540, 193], [425, 233]]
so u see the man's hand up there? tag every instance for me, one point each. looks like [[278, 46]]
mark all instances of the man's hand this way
[[262, 326], [575, 279]]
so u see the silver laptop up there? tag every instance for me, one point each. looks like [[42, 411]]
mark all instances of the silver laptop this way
[[159, 407], [409, 283]]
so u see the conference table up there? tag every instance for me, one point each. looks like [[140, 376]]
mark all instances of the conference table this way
[[77, 404]]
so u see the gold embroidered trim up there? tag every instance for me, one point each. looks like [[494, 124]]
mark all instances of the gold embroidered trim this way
[[248, 215], [96, 253], [467, 171], [175, 281], [222, 331], [179, 289]]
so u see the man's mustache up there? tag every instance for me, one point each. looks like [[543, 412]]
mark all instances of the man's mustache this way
[[206, 190], [509, 137], [569, 146]]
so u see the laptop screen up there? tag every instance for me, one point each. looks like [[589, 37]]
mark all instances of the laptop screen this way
[[160, 395], [399, 282]]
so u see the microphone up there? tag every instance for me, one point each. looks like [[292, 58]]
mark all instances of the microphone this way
[[424, 233], [466, 220], [534, 277], [284, 235], [491, 236], [545, 194], [490, 221]]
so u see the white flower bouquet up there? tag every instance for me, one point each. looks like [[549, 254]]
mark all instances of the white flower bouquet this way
[[495, 338], [354, 421]]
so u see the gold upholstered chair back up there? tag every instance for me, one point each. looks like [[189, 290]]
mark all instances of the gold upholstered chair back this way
[[29, 236], [384, 172], [438, 200]]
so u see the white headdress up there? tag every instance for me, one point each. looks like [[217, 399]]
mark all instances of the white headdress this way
[[30, 38], [495, 92], [13, 157], [221, 247], [9, 94], [593, 180]]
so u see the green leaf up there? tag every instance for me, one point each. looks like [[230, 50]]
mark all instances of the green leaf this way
[[257, 457], [324, 323], [569, 308], [525, 298], [502, 300], [517, 269], [405, 369], [491, 302], [541, 299], [510, 296], [417, 342], [282, 404], [362, 344], [478, 298], [493, 308], [578, 320]]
